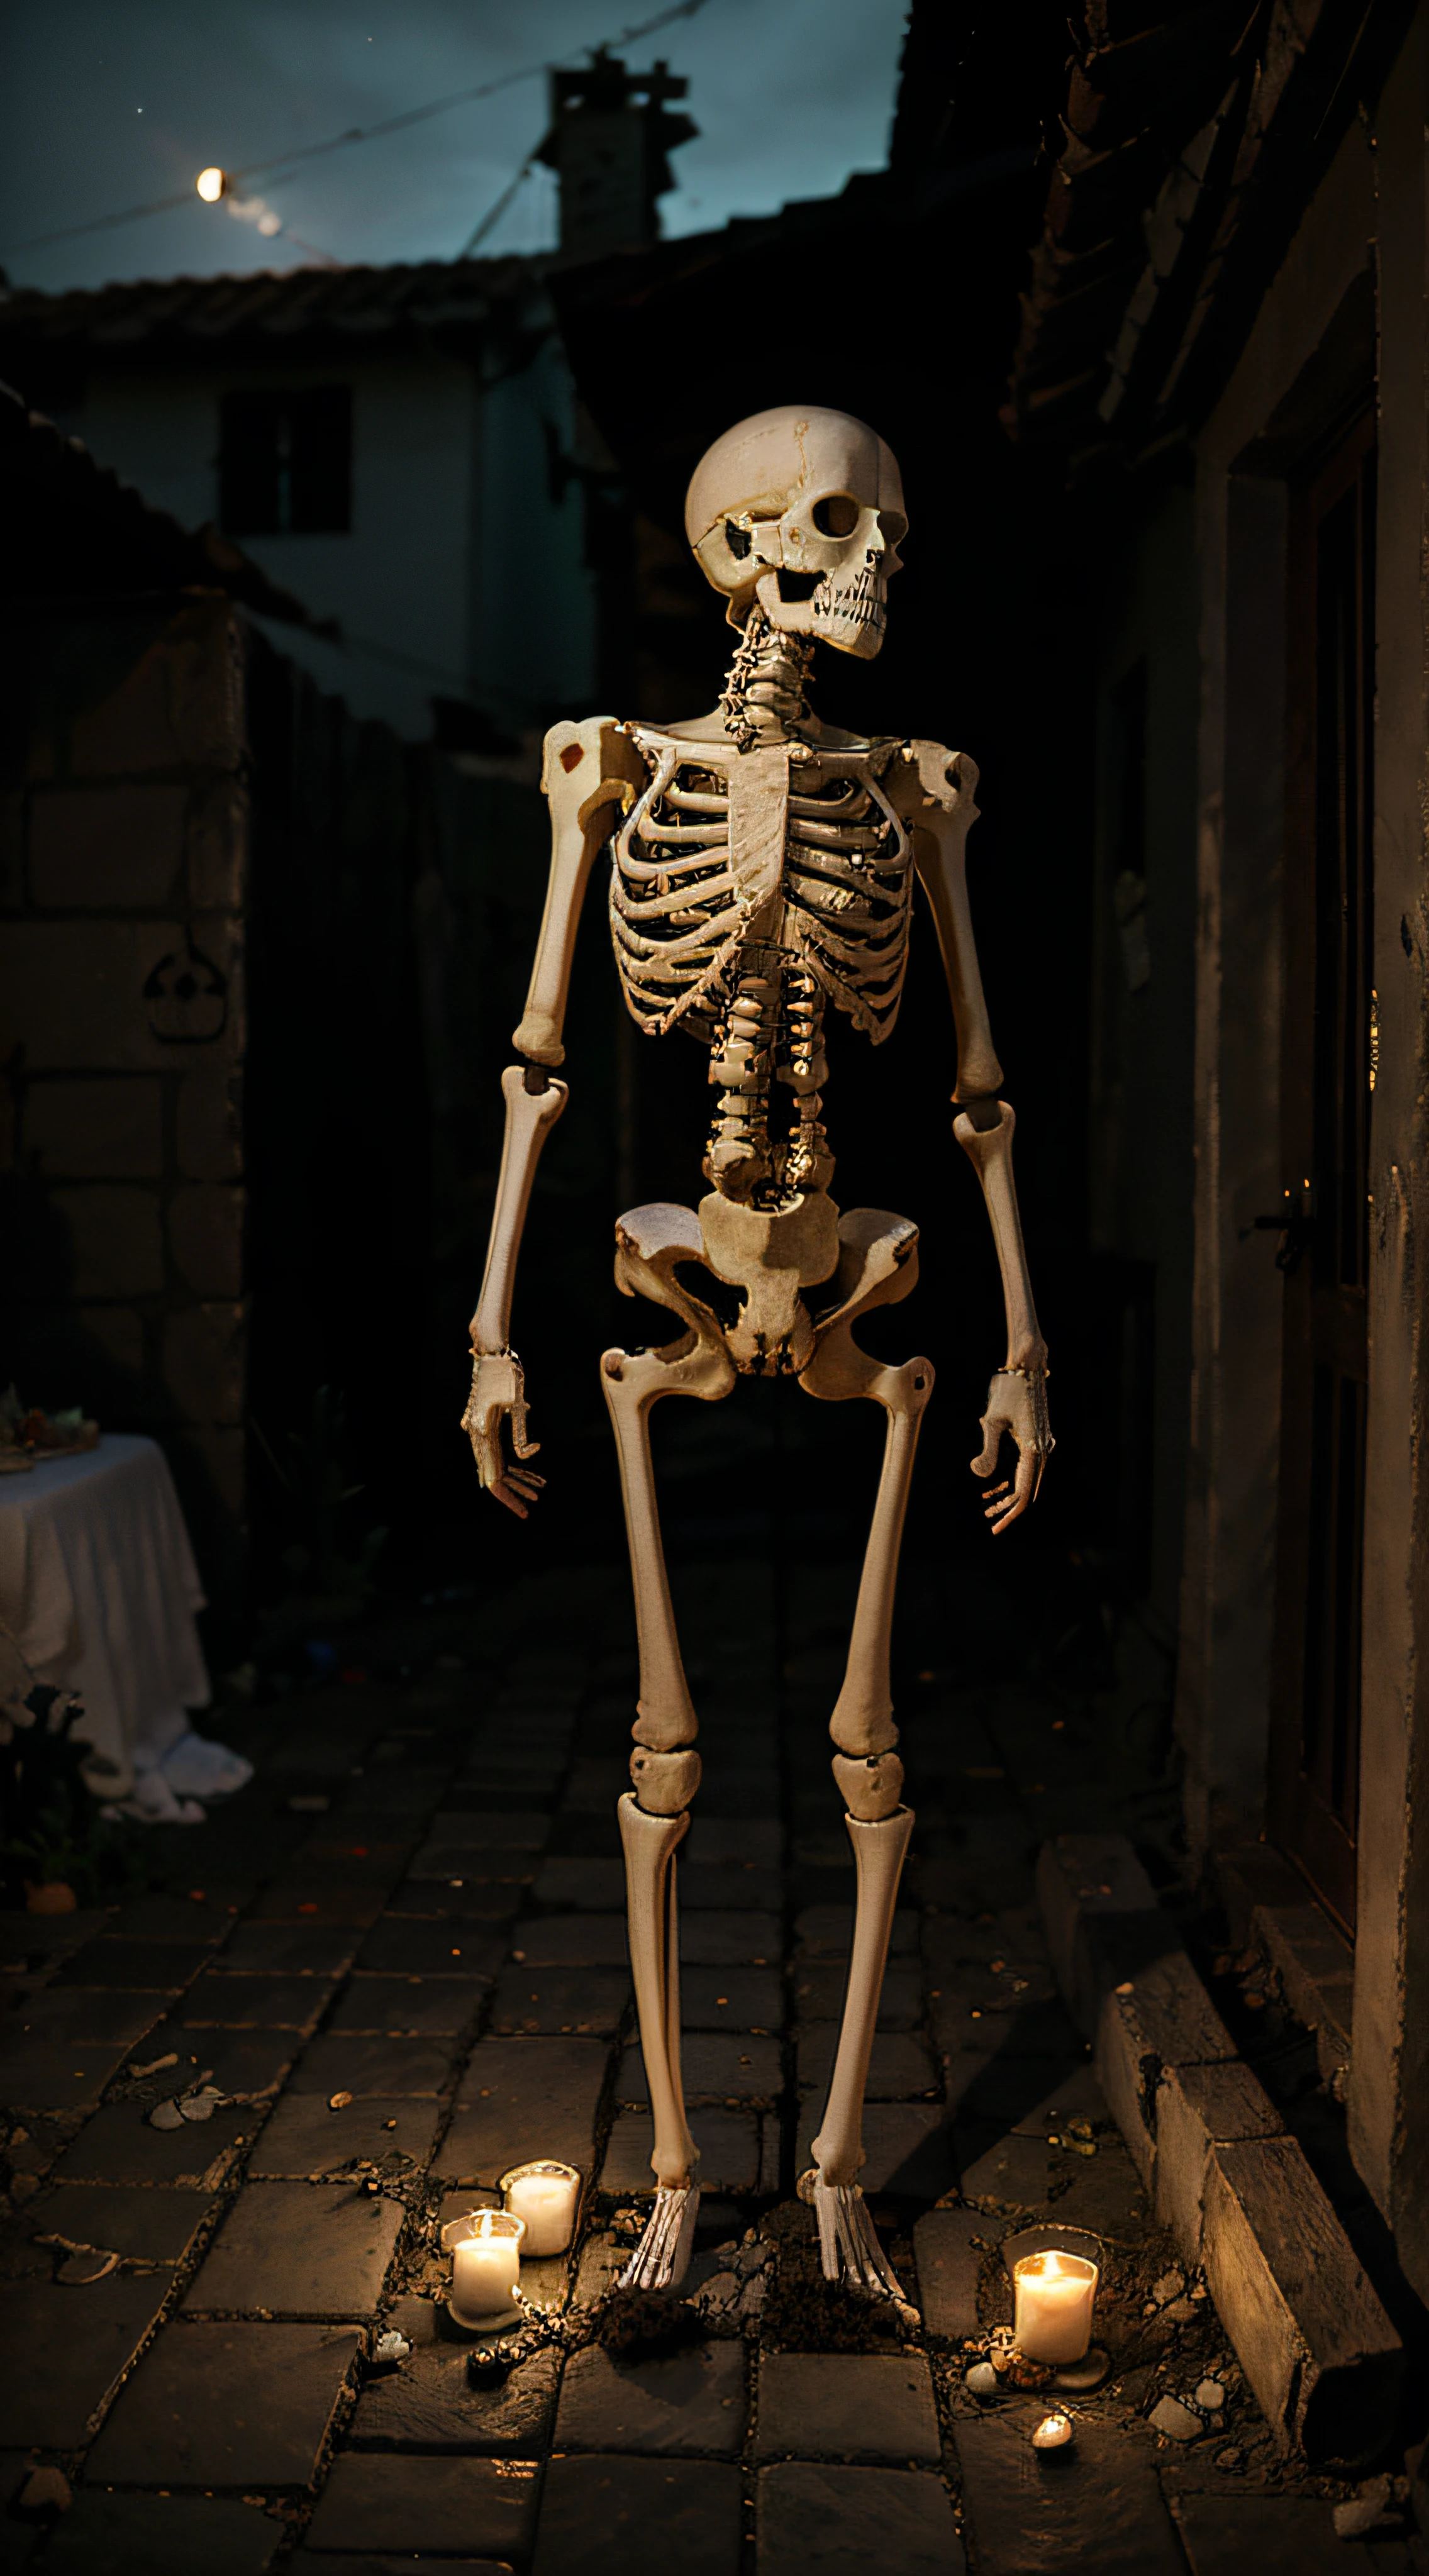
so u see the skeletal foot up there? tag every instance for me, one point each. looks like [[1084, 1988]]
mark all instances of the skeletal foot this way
[[848, 2245], [662, 2257]]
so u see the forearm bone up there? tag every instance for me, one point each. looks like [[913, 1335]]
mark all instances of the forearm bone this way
[[587, 770]]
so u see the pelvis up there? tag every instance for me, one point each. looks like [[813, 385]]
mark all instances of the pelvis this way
[[771, 1256]]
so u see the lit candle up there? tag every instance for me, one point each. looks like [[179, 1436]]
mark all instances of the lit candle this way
[[1054, 2305], [547, 2196], [486, 2265]]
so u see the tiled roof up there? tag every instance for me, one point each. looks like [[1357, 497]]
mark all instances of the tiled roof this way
[[1195, 134], [68, 524], [434, 297]]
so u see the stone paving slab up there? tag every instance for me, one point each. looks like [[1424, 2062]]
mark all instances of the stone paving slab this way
[[104, 2016], [56, 2363], [573, 1941], [45, 2075], [949, 2261], [1275, 2536], [346, 2062], [1043, 2028], [1096, 2505], [734, 1840], [731, 2156], [728, 1887], [219, 2001], [998, 2166], [899, 2065], [586, 1886], [691, 2402], [225, 2404], [847, 2406], [133, 1964], [731, 1998], [299, 2249], [730, 1937], [825, 1931], [401, 1946], [420, 2503], [814, 2520], [149, 2226], [908, 2147], [336, 1852], [48, 1938], [410, 2007], [819, 1987], [560, 1999], [238, 2061], [520, 2098], [303, 2136], [117, 2145], [307, 1948], [717, 2066], [306, 1900], [631, 2517], [428, 2404], [121, 2535], [1029, 2095], [474, 1902], [305, 2561]]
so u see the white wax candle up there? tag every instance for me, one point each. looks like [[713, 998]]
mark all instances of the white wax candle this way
[[547, 2196], [1054, 2295], [486, 2266]]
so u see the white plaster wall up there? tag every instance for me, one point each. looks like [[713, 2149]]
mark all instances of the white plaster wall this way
[[461, 575], [532, 607]]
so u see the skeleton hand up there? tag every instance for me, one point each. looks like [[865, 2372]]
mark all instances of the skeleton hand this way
[[498, 1390], [1016, 1402]]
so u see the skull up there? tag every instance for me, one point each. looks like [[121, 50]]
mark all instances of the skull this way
[[802, 511]]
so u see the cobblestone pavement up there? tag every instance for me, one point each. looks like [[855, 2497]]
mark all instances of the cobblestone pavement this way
[[397, 1966]]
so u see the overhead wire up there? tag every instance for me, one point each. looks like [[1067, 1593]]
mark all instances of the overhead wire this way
[[285, 161]]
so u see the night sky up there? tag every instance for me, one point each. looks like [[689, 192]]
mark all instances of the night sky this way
[[106, 107]]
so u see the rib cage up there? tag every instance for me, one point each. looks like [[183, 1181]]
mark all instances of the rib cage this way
[[678, 916], [676, 913]]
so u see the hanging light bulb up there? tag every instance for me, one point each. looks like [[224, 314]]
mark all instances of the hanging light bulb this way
[[211, 185]]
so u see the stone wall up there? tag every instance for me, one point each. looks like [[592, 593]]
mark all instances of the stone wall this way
[[123, 1016], [209, 1210]]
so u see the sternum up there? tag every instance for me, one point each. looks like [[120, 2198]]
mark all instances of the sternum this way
[[772, 1031]]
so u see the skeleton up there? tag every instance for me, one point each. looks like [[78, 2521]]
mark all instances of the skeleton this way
[[761, 872]]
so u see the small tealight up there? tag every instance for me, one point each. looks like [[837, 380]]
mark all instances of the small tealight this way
[[1052, 2434], [547, 2195], [485, 2248]]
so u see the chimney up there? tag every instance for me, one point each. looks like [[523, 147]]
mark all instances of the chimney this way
[[609, 144]]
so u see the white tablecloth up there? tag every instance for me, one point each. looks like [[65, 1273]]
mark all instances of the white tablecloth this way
[[99, 1589]]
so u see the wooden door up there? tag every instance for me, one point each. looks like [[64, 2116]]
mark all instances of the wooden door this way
[[1330, 1041]]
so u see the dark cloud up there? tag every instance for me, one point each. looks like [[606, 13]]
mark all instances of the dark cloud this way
[[108, 106]]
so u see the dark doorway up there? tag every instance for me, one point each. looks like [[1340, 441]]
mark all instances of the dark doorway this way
[[1330, 1042]]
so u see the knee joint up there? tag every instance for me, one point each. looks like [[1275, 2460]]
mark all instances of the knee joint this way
[[664, 1782], [872, 1787]]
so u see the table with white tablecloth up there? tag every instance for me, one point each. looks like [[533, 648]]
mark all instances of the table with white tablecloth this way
[[100, 1592]]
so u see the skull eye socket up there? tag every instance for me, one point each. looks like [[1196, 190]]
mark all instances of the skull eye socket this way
[[737, 539], [837, 516]]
